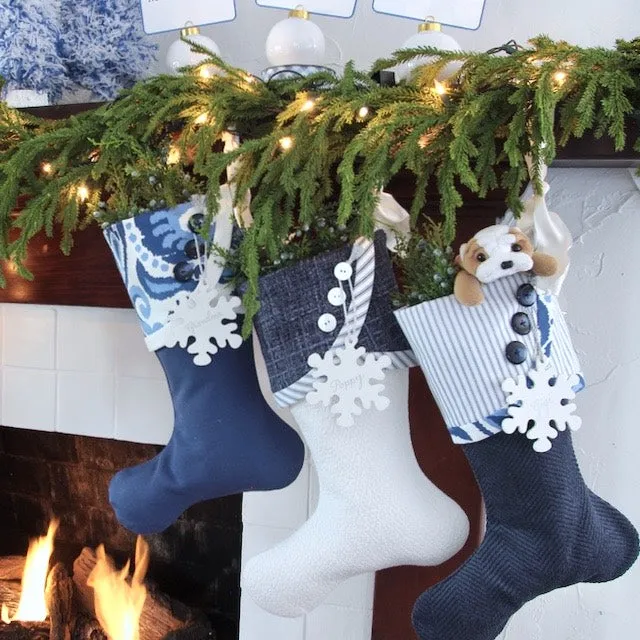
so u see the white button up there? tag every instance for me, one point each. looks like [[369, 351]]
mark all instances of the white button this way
[[327, 322], [343, 271], [336, 296]]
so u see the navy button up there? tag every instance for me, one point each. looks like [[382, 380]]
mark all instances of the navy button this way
[[516, 352], [526, 295], [520, 323], [191, 251], [195, 222], [183, 271]]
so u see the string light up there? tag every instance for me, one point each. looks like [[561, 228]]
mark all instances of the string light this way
[[286, 143], [363, 112], [308, 105], [560, 77], [440, 88], [46, 168], [83, 193], [202, 118], [206, 72], [173, 155]]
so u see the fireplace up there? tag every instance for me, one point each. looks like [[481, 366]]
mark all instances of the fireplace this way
[[196, 561]]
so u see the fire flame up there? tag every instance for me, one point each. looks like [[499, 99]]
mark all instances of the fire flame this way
[[32, 606], [119, 602]]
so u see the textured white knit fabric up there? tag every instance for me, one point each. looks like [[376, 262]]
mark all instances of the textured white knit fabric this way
[[376, 509]]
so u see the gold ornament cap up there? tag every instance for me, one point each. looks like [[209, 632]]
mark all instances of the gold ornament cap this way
[[429, 24], [299, 12], [189, 31]]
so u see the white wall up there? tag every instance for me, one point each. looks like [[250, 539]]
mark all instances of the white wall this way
[[368, 35]]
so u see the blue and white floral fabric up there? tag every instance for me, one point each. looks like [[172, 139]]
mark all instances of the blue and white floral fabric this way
[[160, 259], [463, 352]]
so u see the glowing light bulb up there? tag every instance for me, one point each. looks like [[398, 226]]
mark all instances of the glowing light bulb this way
[[363, 112], [308, 105], [202, 118], [83, 193], [46, 168], [439, 87], [173, 155], [207, 71], [560, 77], [286, 143]]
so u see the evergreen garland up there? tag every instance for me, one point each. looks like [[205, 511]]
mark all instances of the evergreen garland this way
[[316, 142]]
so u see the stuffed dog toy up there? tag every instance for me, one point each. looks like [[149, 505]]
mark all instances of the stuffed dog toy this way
[[496, 252]]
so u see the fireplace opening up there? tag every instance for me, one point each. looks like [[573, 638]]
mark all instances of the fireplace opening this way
[[194, 564]]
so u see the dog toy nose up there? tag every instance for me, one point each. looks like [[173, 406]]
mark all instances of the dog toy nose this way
[[507, 264]]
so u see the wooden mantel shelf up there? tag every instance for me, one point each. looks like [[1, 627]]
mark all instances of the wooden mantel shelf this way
[[88, 277]]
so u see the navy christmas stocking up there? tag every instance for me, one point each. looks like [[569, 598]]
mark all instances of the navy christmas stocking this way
[[226, 439], [545, 529]]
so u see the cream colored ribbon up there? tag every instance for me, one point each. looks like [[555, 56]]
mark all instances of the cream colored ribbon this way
[[393, 219], [547, 231]]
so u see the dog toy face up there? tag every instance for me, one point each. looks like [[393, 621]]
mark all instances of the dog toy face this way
[[496, 252]]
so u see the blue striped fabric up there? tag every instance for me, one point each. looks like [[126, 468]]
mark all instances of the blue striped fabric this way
[[462, 352]]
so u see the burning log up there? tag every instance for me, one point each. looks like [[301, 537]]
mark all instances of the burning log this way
[[157, 619], [59, 598], [24, 631], [9, 595], [88, 628], [11, 567]]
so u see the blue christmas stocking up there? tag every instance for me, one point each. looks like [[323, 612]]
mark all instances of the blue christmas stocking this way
[[226, 439], [545, 528]]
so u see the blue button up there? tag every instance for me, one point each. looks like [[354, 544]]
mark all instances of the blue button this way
[[520, 323], [526, 295], [183, 271], [516, 352], [195, 222], [191, 251]]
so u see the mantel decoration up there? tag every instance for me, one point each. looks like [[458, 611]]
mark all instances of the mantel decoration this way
[[298, 166]]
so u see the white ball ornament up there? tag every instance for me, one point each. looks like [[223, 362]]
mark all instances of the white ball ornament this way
[[295, 41], [181, 55], [429, 35]]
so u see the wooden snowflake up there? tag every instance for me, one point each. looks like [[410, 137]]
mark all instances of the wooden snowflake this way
[[344, 378], [202, 324], [540, 406]]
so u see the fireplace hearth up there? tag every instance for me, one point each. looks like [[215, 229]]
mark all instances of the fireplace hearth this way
[[195, 562]]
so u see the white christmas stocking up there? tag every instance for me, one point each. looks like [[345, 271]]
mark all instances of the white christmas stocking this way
[[337, 357]]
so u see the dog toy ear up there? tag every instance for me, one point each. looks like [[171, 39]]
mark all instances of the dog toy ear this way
[[467, 289], [544, 264]]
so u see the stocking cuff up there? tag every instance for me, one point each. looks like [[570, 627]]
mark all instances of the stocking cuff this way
[[466, 353], [300, 314], [161, 256]]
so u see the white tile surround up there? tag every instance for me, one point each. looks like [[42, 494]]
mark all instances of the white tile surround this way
[[87, 372]]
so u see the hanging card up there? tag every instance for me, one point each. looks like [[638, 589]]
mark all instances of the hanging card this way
[[466, 14], [170, 15], [336, 8]]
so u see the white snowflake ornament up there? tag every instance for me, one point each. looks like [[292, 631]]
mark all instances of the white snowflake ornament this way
[[541, 408], [344, 378], [202, 317]]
